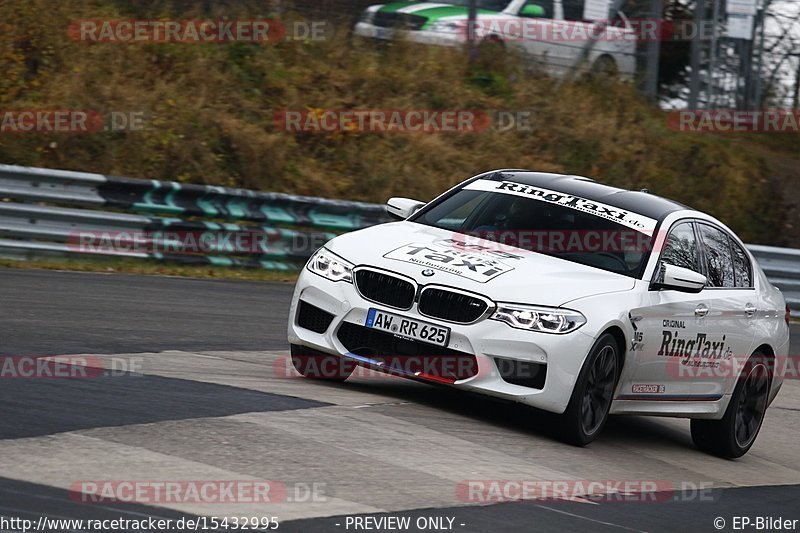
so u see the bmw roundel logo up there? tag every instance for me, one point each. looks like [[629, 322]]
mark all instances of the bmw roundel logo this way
[[427, 272]]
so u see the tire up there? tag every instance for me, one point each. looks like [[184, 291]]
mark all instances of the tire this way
[[605, 67], [733, 435], [587, 411], [314, 364]]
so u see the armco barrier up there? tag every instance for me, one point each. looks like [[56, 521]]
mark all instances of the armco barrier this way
[[51, 207], [44, 209], [782, 266], [180, 199]]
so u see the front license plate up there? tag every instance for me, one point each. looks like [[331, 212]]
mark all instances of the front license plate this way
[[408, 327]]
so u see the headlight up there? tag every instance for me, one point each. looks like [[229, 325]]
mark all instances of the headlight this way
[[544, 319], [331, 266], [444, 27], [367, 17]]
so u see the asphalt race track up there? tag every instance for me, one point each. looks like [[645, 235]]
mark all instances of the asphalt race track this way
[[193, 384]]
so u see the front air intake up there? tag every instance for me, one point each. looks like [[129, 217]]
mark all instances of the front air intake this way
[[385, 289], [313, 318], [451, 306]]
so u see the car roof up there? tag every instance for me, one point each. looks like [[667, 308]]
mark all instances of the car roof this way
[[640, 202]]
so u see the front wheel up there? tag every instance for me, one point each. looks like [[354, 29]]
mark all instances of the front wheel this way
[[735, 433], [314, 364], [590, 403]]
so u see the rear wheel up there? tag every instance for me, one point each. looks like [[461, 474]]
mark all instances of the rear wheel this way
[[735, 433], [605, 67], [590, 403], [314, 364]]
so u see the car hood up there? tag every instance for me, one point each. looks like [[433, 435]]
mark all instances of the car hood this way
[[502, 273]]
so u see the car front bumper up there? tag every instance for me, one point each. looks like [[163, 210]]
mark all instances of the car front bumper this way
[[490, 342]]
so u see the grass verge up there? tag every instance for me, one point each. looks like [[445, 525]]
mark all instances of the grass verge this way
[[122, 266]]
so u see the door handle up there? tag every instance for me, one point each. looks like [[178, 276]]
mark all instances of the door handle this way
[[750, 310], [701, 311]]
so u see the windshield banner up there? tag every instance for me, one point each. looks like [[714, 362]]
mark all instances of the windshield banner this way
[[620, 216]]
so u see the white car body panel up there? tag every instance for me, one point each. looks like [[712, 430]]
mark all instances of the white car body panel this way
[[649, 384]]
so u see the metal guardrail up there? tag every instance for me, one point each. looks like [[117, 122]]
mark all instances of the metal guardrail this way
[[285, 228], [782, 266], [173, 198], [45, 212]]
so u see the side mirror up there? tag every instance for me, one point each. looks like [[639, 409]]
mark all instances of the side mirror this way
[[532, 10], [403, 208], [681, 279]]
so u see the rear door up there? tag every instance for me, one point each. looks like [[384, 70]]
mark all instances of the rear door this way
[[733, 311]]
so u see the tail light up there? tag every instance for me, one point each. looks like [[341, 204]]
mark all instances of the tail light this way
[[788, 314]]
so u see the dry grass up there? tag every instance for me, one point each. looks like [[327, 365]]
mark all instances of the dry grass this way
[[117, 266], [209, 116]]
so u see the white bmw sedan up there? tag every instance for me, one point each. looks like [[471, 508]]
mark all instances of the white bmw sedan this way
[[557, 292]]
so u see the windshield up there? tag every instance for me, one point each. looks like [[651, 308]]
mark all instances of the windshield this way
[[541, 226], [492, 5]]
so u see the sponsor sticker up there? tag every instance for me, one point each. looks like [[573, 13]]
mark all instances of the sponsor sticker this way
[[647, 388], [615, 214], [475, 266]]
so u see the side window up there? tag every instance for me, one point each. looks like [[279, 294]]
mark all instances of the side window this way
[[681, 247], [573, 9], [547, 5], [718, 256], [742, 269]]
